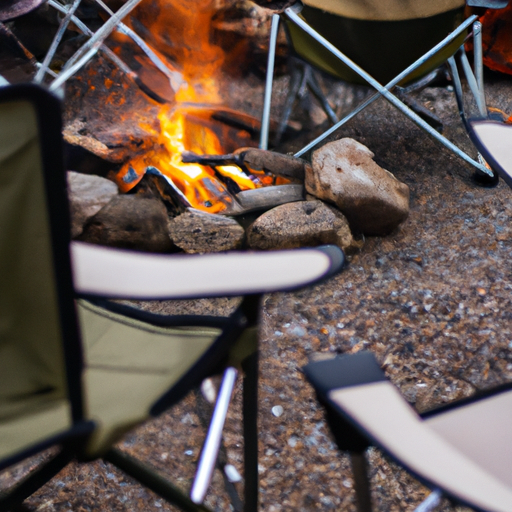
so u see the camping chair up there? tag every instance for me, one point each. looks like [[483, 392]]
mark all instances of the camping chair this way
[[79, 373], [461, 450], [396, 43]]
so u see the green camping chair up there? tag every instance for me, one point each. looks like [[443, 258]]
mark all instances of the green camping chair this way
[[393, 42], [80, 373], [462, 450]]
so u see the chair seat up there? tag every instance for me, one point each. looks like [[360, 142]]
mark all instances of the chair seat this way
[[129, 366], [44, 421], [480, 430], [381, 48]]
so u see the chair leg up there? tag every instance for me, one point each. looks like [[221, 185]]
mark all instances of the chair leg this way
[[35, 480], [208, 458], [315, 88], [361, 481], [153, 481], [250, 415], [265, 119], [385, 90], [423, 112], [296, 79]]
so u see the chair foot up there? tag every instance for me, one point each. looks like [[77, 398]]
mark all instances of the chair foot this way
[[484, 180]]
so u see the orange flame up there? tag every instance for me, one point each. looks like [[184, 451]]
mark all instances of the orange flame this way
[[180, 30]]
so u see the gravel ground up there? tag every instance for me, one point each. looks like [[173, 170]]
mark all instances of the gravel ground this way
[[432, 301]]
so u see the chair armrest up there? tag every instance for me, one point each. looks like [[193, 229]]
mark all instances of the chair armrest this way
[[116, 273], [375, 407]]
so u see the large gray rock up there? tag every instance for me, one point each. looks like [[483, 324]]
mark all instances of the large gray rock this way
[[343, 172], [199, 232], [88, 194], [130, 222], [300, 224]]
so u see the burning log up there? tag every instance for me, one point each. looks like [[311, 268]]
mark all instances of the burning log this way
[[237, 204], [255, 159]]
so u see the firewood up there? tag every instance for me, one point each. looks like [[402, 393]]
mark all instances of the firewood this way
[[257, 159]]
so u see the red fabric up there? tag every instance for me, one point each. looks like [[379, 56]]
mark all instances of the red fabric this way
[[497, 39]]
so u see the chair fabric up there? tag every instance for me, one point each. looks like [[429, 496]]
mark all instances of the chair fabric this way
[[480, 429], [129, 365], [494, 141], [382, 47], [33, 387], [385, 10]]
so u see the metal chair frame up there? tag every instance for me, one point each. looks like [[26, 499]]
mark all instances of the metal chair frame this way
[[475, 81]]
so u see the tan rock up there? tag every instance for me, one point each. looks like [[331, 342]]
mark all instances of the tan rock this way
[[343, 172], [130, 222], [88, 194], [200, 232], [300, 224]]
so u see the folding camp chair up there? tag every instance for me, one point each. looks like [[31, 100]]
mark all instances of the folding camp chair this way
[[370, 42], [79, 373], [462, 450]]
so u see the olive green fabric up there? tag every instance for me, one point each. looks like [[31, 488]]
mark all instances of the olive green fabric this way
[[386, 10], [382, 48], [31, 359], [129, 366], [44, 421]]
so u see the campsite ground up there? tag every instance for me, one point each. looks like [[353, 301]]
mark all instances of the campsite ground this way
[[432, 300]]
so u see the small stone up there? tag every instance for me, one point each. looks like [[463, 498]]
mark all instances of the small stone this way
[[87, 194], [277, 411], [208, 390], [343, 172], [300, 224], [199, 232], [232, 473], [292, 441]]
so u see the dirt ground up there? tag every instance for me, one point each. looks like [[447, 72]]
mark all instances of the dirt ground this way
[[432, 301]]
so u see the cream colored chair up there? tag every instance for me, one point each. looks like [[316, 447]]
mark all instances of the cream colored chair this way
[[462, 451], [80, 373]]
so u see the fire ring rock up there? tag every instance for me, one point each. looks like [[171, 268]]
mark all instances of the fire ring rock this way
[[343, 172], [300, 224], [200, 232], [130, 222], [88, 194]]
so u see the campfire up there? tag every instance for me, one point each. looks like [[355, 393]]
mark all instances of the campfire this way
[[146, 101], [187, 114]]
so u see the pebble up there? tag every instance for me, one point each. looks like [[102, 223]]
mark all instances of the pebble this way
[[232, 473], [277, 411]]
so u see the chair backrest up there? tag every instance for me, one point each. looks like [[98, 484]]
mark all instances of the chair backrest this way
[[382, 47], [40, 360], [386, 10]]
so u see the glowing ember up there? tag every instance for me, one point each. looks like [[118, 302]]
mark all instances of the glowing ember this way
[[180, 32], [197, 183]]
